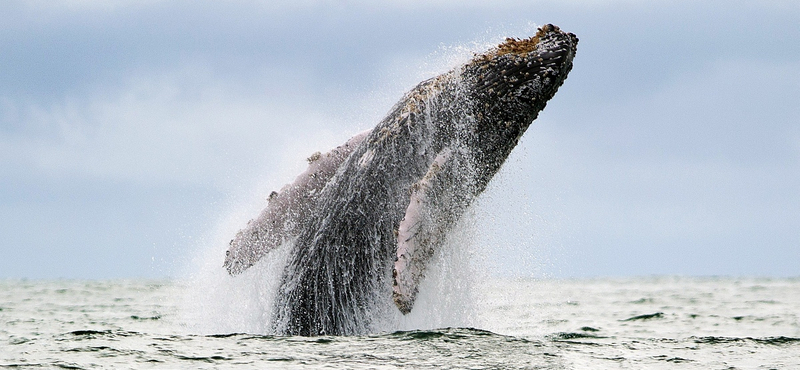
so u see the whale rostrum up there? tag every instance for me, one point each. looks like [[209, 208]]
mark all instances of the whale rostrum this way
[[365, 218]]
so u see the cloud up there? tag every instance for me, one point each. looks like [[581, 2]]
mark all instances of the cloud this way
[[182, 127], [677, 127]]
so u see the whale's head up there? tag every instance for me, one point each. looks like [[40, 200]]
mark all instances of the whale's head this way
[[520, 75], [512, 82]]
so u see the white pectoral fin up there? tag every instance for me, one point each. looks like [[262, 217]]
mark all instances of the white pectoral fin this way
[[288, 210], [422, 231]]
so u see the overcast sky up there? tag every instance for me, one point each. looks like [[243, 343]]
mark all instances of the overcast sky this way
[[135, 134]]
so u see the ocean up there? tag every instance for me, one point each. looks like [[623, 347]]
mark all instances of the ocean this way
[[604, 323]]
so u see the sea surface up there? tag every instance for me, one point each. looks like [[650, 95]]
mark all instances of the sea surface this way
[[631, 323]]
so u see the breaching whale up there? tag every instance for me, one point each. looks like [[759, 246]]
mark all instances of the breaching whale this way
[[365, 218]]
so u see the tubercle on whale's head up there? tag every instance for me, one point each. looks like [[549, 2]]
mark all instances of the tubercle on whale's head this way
[[520, 75]]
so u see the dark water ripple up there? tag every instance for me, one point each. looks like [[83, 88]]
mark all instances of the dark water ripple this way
[[773, 341], [447, 348]]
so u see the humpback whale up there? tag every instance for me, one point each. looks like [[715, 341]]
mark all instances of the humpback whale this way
[[365, 218]]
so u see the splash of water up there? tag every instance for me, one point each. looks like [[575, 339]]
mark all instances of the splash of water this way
[[214, 302]]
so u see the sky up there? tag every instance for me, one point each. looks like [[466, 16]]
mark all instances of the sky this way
[[137, 134]]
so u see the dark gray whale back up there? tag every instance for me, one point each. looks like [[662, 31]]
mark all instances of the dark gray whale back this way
[[424, 164]]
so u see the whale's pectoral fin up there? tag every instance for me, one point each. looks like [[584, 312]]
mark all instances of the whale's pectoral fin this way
[[288, 210], [437, 201]]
